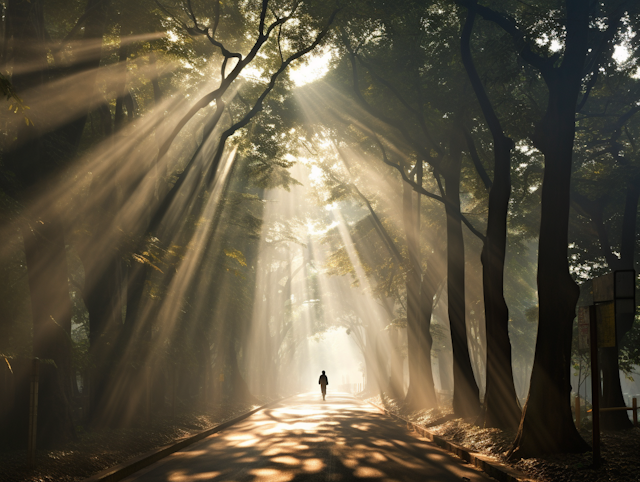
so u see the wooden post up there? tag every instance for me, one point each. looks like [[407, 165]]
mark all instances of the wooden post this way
[[577, 409], [595, 385], [173, 392], [634, 406], [86, 395], [33, 413], [147, 394]]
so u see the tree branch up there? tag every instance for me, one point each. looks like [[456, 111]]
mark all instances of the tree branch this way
[[76, 27], [391, 247], [606, 44], [365, 105], [473, 152], [257, 107], [544, 64], [419, 115], [419, 189]]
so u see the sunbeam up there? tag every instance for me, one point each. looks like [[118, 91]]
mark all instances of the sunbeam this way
[[209, 207]]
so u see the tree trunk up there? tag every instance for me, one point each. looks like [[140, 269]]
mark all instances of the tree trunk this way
[[412, 399], [43, 236], [396, 375], [373, 376], [547, 424], [466, 396], [412, 283], [51, 311], [611, 388], [501, 408], [239, 389], [103, 301], [38, 163], [612, 392], [421, 390], [428, 290]]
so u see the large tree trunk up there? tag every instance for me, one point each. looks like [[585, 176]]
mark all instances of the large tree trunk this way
[[101, 291], [466, 396], [396, 375], [51, 311], [412, 399], [501, 407], [412, 283], [373, 374], [428, 290], [43, 235], [421, 390], [103, 301], [239, 389], [44, 162], [547, 423], [611, 388]]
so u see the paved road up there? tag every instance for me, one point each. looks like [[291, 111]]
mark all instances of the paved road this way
[[304, 438]]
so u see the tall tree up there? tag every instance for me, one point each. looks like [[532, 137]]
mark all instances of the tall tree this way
[[501, 407], [547, 424]]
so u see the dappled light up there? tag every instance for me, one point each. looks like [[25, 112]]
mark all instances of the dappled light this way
[[279, 450]]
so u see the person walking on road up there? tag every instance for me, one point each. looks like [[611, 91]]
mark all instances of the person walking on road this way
[[324, 381]]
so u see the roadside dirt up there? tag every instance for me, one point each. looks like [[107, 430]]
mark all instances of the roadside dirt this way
[[620, 450], [98, 450]]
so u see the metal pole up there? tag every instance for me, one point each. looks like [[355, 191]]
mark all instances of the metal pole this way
[[33, 413], [595, 386]]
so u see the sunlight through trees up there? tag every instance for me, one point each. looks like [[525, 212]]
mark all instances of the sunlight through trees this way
[[206, 202]]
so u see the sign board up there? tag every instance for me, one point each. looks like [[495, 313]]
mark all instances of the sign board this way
[[606, 317], [583, 328], [603, 288]]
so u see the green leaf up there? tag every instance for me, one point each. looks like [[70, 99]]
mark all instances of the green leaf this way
[[237, 255]]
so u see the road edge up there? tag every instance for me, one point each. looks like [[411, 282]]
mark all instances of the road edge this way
[[131, 466], [493, 468]]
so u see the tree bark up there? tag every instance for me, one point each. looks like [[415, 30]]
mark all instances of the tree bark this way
[[239, 389], [51, 311], [501, 408], [466, 396], [428, 290], [396, 375], [43, 237], [372, 373], [547, 423], [421, 390], [611, 387]]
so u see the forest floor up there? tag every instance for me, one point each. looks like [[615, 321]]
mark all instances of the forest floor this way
[[620, 450], [98, 450]]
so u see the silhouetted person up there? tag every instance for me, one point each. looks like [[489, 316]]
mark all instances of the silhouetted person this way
[[324, 381]]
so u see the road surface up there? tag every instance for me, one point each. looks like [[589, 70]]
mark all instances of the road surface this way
[[304, 438]]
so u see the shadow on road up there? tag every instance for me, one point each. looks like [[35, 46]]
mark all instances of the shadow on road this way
[[305, 438]]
